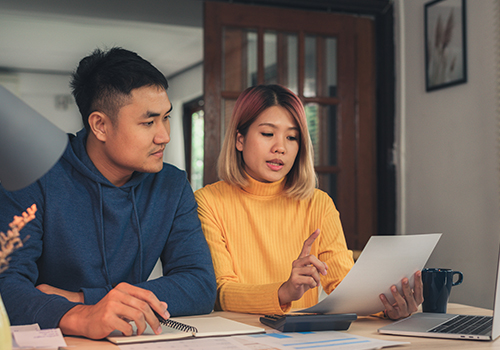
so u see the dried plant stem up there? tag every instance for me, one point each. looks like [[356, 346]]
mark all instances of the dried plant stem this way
[[11, 241]]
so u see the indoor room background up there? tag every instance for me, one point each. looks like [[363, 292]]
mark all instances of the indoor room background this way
[[446, 152]]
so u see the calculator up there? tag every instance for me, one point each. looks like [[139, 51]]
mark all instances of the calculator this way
[[309, 322]]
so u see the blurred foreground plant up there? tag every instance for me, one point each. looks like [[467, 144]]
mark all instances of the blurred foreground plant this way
[[11, 241]]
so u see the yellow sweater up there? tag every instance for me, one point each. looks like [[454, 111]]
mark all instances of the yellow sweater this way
[[256, 233]]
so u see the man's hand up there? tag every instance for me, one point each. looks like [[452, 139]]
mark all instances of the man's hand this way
[[304, 275], [122, 304], [76, 297], [407, 303]]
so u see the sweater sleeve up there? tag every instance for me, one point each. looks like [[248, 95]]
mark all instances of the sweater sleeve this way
[[232, 294], [188, 281], [24, 303], [333, 248]]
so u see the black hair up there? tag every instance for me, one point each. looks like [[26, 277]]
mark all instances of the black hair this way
[[104, 80]]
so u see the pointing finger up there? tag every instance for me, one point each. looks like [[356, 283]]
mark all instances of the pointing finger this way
[[306, 248]]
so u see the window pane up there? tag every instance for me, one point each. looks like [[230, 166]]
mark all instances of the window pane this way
[[239, 58], [328, 183], [331, 67], [313, 121], [292, 59], [227, 110], [197, 149], [329, 135], [310, 67], [270, 58], [322, 124], [251, 58]]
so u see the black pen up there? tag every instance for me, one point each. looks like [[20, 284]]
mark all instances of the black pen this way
[[160, 318], [176, 325]]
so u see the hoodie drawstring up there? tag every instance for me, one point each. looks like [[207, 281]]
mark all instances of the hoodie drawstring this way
[[102, 246], [139, 233]]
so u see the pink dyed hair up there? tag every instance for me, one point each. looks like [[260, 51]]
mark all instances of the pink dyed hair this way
[[301, 180]]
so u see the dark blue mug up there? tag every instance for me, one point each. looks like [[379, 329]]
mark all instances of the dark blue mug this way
[[437, 285]]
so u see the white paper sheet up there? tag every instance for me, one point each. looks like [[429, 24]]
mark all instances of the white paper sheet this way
[[272, 340], [33, 337], [384, 262]]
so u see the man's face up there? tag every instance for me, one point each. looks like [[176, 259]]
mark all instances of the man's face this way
[[137, 138]]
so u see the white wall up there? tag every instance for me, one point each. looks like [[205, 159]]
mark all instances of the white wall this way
[[48, 94], [447, 148], [182, 88]]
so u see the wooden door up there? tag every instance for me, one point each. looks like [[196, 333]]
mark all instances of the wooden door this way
[[327, 59]]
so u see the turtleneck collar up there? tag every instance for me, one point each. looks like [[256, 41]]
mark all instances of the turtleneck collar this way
[[264, 189]]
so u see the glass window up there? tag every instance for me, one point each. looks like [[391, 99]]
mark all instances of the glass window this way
[[329, 135], [270, 58], [328, 183], [197, 149], [239, 58], [251, 37], [310, 67], [292, 63], [331, 67], [322, 124], [227, 110]]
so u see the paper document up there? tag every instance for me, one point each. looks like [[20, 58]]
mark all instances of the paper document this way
[[384, 262], [31, 336], [275, 341]]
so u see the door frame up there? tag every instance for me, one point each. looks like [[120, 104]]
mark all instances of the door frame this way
[[382, 11]]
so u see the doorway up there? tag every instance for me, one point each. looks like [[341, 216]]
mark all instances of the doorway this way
[[328, 60]]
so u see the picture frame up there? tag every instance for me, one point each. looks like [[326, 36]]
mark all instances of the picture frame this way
[[445, 44]]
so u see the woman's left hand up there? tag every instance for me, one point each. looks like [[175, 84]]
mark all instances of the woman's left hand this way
[[408, 302]]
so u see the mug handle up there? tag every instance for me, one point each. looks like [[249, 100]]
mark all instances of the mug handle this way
[[460, 278]]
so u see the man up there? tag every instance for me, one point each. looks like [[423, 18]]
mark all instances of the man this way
[[106, 212]]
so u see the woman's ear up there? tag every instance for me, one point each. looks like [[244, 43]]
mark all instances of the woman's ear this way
[[240, 140], [98, 123]]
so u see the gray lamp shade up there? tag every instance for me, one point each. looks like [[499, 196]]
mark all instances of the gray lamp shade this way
[[30, 145]]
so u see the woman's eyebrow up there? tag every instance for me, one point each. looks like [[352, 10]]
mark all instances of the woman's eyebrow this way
[[274, 126]]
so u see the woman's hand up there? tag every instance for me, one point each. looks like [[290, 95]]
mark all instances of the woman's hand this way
[[407, 303], [305, 273]]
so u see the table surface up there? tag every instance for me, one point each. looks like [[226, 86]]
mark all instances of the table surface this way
[[363, 326]]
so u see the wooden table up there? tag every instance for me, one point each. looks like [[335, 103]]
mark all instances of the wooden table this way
[[364, 326]]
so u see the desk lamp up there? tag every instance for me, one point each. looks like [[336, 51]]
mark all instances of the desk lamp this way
[[29, 144]]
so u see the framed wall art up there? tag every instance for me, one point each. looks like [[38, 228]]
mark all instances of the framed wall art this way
[[445, 44]]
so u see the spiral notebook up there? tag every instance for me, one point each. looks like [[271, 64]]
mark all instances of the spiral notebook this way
[[187, 327]]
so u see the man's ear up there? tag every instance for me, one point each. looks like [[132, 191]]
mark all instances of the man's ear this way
[[240, 139], [98, 123]]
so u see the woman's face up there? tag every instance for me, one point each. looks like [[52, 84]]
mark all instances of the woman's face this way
[[270, 146]]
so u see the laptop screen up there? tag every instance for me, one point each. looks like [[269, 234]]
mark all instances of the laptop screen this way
[[495, 331]]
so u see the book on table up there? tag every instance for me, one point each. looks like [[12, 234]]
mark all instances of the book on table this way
[[187, 327]]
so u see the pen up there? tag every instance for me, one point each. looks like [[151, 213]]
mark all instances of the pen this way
[[160, 318], [176, 325]]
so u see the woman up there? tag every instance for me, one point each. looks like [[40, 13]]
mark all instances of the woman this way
[[258, 220]]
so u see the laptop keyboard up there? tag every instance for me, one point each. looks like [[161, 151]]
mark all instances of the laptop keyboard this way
[[464, 324]]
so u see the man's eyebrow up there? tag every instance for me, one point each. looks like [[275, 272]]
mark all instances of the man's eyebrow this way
[[170, 110], [152, 114]]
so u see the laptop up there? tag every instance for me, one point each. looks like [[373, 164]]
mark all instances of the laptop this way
[[451, 326]]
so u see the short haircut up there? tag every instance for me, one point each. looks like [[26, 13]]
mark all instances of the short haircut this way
[[301, 180], [103, 81]]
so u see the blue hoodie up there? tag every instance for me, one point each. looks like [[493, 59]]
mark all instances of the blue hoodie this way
[[89, 235]]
